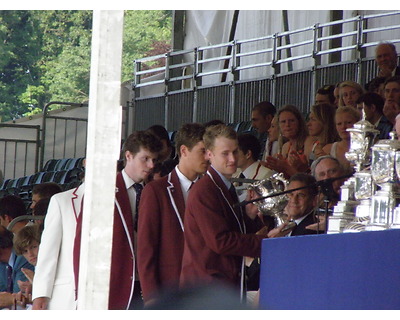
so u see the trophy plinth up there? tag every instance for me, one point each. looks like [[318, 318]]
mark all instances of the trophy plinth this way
[[364, 189], [344, 211], [384, 174]]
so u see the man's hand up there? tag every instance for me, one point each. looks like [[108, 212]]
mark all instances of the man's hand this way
[[319, 226], [40, 303], [251, 209], [6, 300], [278, 231]]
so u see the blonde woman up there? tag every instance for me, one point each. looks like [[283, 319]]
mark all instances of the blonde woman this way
[[349, 92], [345, 118]]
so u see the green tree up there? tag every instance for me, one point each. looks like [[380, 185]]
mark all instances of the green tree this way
[[45, 54]]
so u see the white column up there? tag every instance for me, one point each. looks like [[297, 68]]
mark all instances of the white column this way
[[103, 147]]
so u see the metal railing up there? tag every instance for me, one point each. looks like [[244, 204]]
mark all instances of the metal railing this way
[[19, 149], [315, 55]]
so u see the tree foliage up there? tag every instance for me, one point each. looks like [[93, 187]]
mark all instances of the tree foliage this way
[[45, 54]]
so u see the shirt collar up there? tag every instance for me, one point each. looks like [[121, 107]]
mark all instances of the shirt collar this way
[[12, 259], [185, 182], [129, 182], [224, 179], [250, 169]]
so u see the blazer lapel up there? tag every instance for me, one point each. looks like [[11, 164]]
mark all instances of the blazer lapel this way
[[176, 196]]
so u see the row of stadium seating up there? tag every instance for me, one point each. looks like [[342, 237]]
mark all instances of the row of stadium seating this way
[[65, 172]]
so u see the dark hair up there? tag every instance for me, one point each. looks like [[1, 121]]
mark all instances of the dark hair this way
[[12, 206], [161, 133], [372, 98], [141, 139], [307, 180], [213, 123], [265, 108], [247, 142], [189, 135], [374, 84], [6, 238], [392, 79], [46, 189], [41, 207], [328, 90]]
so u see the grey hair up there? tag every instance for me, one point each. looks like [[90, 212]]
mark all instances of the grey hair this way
[[318, 160]]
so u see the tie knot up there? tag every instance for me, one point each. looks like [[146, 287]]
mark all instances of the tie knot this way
[[138, 187]]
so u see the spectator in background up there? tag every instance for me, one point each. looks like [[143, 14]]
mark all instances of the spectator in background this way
[[325, 95], [40, 210], [391, 107], [292, 127], [26, 244], [373, 107], [345, 118], [10, 269], [386, 59], [377, 85], [12, 207], [167, 155], [44, 190], [349, 92], [321, 130], [249, 167], [261, 117], [274, 141]]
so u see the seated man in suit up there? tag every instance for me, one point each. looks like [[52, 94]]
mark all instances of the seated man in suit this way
[[10, 269], [218, 234], [301, 206], [162, 209]]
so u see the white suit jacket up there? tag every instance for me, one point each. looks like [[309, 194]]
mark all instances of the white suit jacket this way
[[255, 171], [54, 273]]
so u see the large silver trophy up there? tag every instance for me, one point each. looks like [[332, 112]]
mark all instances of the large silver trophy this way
[[273, 206], [384, 173], [353, 210]]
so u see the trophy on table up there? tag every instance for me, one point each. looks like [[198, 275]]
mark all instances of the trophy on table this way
[[385, 156], [353, 209]]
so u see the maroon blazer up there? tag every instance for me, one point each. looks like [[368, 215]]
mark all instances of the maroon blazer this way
[[160, 235], [215, 236], [122, 256]]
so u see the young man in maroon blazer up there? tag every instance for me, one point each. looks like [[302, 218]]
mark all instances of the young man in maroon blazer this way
[[161, 215], [218, 234]]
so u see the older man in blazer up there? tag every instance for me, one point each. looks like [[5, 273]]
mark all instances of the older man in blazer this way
[[218, 234], [161, 215]]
